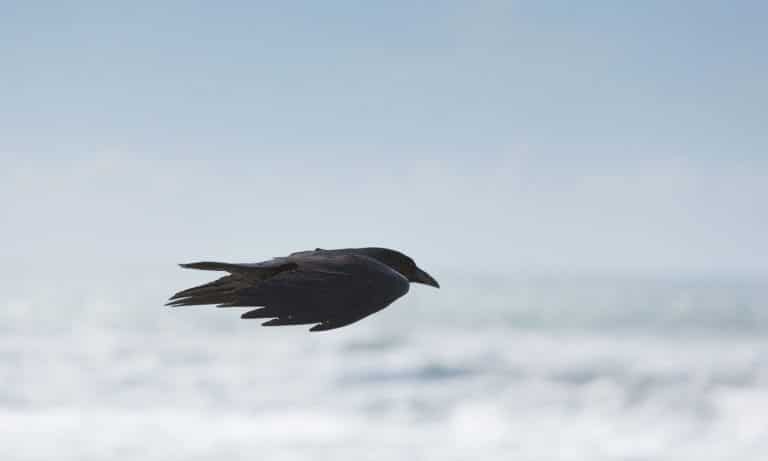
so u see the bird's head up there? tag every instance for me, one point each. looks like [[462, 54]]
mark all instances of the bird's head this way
[[402, 264]]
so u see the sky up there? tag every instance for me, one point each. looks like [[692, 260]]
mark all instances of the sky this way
[[478, 137]]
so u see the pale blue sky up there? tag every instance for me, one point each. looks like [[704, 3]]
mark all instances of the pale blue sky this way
[[576, 136]]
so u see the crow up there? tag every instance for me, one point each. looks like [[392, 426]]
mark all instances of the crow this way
[[328, 288]]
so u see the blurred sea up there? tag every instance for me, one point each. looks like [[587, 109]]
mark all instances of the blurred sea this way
[[487, 368]]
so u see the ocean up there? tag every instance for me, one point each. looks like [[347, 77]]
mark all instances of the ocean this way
[[487, 368]]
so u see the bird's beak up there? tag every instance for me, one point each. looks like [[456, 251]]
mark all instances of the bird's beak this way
[[422, 277]]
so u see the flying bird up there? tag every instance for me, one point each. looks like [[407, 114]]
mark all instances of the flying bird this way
[[328, 288]]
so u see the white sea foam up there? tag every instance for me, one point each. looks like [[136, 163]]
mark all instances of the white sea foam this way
[[106, 381]]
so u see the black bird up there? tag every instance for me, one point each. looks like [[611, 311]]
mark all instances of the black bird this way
[[331, 288]]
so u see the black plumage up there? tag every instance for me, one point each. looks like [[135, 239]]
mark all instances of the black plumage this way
[[328, 288]]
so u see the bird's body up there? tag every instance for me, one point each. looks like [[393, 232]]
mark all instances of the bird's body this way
[[329, 288]]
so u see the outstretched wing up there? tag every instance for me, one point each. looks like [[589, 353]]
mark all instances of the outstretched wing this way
[[329, 290]]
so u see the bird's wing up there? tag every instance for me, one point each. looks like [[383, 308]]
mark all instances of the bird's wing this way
[[330, 290]]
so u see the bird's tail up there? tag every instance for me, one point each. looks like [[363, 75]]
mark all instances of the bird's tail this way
[[223, 292], [216, 292], [212, 266]]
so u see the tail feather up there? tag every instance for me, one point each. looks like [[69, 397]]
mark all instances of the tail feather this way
[[222, 285], [261, 313], [210, 266], [239, 303], [259, 270], [199, 300]]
